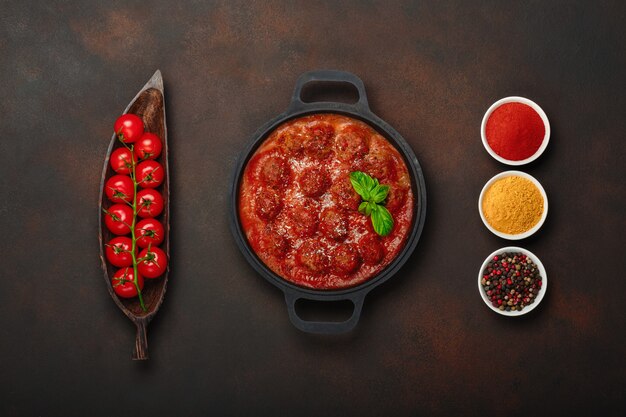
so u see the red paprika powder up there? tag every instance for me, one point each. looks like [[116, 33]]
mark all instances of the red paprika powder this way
[[515, 131]]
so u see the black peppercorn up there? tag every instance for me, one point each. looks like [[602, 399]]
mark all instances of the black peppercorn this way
[[513, 280]]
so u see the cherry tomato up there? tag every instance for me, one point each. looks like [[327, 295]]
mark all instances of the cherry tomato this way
[[148, 146], [149, 203], [128, 127], [154, 264], [149, 232], [118, 219], [119, 188], [118, 251], [123, 283], [149, 174], [121, 160]]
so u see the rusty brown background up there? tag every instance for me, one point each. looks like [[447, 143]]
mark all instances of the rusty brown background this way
[[222, 343]]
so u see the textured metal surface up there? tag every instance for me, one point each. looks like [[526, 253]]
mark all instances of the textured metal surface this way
[[221, 344]]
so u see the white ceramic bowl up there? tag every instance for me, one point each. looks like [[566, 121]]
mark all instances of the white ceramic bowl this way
[[528, 232], [515, 99], [538, 297]]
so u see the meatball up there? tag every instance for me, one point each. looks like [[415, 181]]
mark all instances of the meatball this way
[[290, 141], [272, 243], [268, 203], [346, 259], [395, 198], [318, 140], [314, 182], [380, 164], [344, 195], [314, 256], [371, 249], [351, 143], [302, 218], [334, 223], [359, 224], [274, 171]]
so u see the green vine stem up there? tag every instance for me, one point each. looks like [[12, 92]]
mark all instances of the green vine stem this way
[[132, 226]]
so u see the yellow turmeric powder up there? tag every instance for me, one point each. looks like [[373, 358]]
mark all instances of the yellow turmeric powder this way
[[512, 205]]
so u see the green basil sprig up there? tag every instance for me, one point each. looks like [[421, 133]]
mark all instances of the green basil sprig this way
[[374, 195]]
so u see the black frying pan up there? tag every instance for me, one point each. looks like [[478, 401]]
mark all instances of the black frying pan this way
[[359, 110]]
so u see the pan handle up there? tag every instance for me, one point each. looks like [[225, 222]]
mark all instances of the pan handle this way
[[328, 76], [322, 327]]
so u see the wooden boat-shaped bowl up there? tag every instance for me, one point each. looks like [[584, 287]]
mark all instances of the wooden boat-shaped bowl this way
[[149, 105]]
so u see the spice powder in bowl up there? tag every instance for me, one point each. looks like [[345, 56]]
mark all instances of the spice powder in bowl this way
[[515, 130], [513, 205]]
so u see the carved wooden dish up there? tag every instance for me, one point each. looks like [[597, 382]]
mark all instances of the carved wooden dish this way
[[149, 105]]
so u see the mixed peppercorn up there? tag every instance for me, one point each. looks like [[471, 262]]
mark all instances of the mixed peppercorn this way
[[511, 281]]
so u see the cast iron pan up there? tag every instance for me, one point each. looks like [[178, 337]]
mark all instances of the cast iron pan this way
[[359, 110]]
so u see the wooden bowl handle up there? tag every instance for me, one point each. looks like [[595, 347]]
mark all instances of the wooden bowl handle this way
[[141, 343]]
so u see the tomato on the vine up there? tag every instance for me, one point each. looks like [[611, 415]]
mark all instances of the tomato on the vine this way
[[148, 146], [128, 127], [149, 203], [119, 189], [149, 174], [149, 232], [123, 282], [154, 262], [118, 219], [118, 251], [121, 161]]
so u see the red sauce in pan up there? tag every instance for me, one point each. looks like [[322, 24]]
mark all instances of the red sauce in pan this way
[[299, 211]]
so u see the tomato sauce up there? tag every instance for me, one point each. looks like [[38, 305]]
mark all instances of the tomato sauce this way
[[299, 211]]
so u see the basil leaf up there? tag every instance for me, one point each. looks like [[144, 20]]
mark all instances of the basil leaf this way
[[373, 194], [366, 208], [363, 184], [382, 220], [380, 193], [357, 179], [370, 183]]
